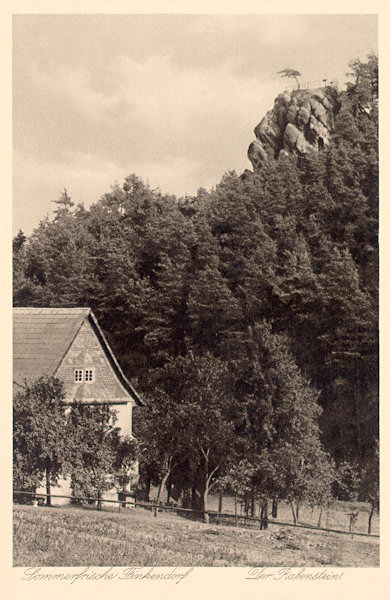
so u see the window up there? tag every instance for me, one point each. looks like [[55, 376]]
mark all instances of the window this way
[[78, 375]]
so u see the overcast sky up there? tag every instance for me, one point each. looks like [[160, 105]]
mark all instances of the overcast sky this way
[[172, 98]]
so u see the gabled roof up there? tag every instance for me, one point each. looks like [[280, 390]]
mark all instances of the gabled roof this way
[[42, 337]]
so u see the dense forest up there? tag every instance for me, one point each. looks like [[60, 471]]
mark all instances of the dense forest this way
[[247, 315]]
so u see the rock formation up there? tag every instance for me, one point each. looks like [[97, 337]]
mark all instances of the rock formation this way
[[298, 123]]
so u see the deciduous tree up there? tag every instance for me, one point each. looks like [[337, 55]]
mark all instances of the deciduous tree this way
[[41, 447]]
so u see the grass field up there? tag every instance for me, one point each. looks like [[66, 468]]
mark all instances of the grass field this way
[[336, 517], [70, 536]]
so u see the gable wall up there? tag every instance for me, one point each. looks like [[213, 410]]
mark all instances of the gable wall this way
[[86, 352]]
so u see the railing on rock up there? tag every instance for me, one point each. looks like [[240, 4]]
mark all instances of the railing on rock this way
[[313, 85]]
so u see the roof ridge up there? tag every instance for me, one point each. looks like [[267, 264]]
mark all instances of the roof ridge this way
[[51, 308]]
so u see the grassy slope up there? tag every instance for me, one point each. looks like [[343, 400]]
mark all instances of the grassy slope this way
[[338, 517], [77, 537]]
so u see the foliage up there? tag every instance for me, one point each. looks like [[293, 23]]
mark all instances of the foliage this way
[[39, 440], [281, 414], [64, 204], [127, 453], [370, 478], [91, 464], [237, 479], [159, 429], [196, 409], [348, 481], [204, 385], [55, 440], [275, 277], [290, 73], [365, 75]]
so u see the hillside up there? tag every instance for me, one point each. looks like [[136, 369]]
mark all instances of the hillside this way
[[265, 288], [139, 539]]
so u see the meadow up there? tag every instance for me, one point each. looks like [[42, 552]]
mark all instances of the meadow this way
[[336, 516], [71, 536]]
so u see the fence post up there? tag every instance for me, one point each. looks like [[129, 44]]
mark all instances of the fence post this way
[[327, 520], [352, 520], [264, 516]]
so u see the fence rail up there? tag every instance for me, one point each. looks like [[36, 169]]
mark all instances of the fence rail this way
[[313, 85], [216, 516]]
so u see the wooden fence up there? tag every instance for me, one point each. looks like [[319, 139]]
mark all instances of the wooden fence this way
[[214, 516]]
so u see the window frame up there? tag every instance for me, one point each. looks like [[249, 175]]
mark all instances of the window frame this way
[[78, 375], [89, 375]]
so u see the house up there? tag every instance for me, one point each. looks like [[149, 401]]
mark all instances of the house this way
[[69, 344]]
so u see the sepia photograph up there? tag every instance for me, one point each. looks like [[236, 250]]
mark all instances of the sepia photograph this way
[[195, 294]]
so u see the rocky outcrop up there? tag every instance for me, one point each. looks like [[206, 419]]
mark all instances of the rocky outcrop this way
[[298, 123]]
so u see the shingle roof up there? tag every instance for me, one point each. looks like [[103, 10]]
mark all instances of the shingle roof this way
[[42, 336]]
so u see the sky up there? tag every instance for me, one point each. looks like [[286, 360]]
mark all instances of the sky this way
[[171, 98]]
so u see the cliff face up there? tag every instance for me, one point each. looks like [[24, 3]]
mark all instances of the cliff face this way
[[298, 123]]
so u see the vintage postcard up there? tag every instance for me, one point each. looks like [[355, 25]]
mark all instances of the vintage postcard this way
[[193, 299]]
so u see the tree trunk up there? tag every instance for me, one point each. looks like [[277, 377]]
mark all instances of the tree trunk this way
[[194, 502], [297, 511], [246, 509], [147, 489], [220, 503], [48, 487], [370, 517], [293, 513], [264, 516], [206, 518], [319, 518], [157, 499], [160, 487], [99, 502], [253, 502], [235, 510], [274, 509], [186, 500], [169, 489]]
